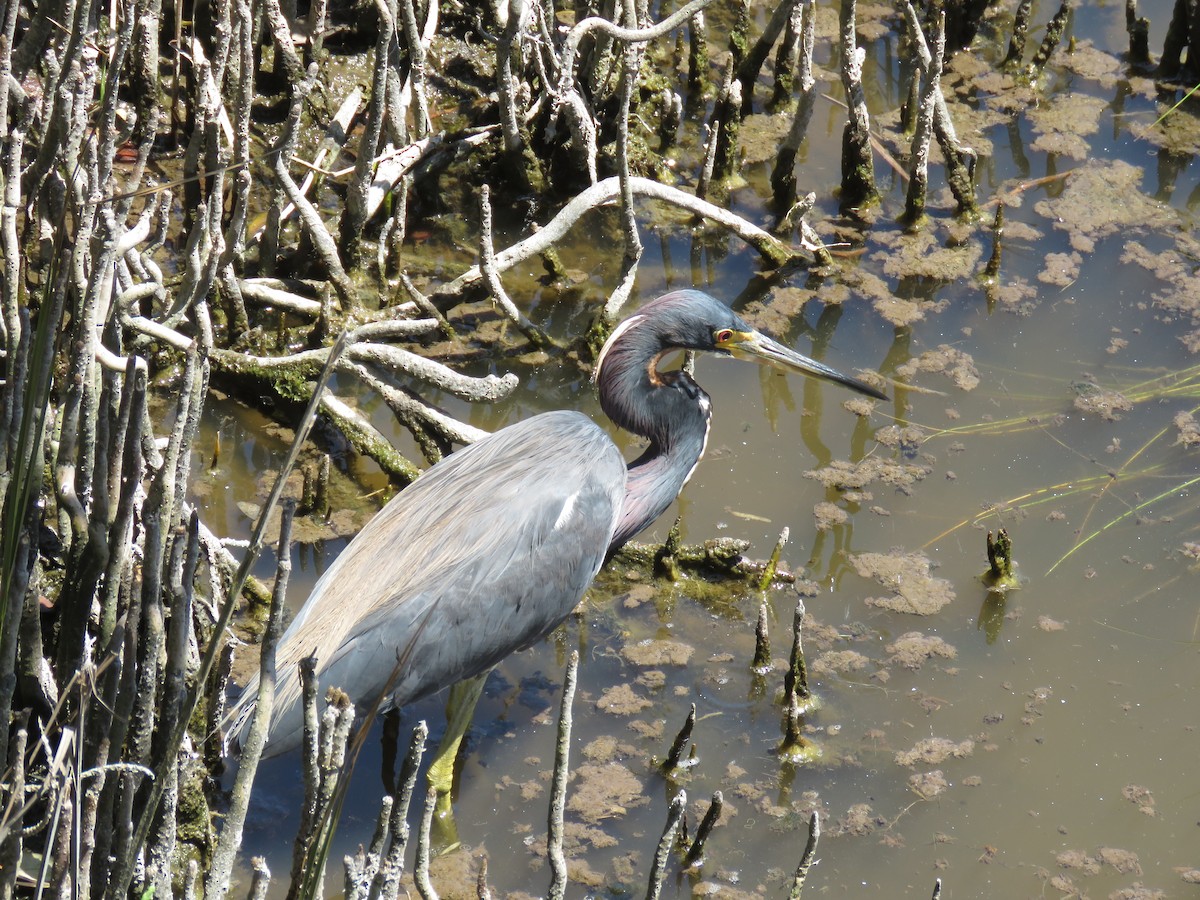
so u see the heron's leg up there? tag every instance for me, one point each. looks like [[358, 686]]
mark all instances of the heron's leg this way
[[460, 709]]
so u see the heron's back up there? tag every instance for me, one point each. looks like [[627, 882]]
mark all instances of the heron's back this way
[[484, 554]]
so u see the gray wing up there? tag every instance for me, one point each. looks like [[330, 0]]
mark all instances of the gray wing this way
[[484, 554]]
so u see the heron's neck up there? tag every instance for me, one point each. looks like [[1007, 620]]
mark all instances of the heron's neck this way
[[670, 410]]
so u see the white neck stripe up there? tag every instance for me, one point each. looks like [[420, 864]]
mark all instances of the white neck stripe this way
[[620, 330]]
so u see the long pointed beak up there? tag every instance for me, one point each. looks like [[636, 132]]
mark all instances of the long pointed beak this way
[[756, 346]]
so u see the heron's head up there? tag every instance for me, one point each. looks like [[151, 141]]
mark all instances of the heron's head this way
[[692, 320]]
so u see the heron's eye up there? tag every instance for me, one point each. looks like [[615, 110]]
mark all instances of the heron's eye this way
[[723, 336]]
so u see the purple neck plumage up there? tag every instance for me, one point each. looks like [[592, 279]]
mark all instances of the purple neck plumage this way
[[668, 408]]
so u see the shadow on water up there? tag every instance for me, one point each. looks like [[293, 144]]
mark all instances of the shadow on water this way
[[1043, 740]]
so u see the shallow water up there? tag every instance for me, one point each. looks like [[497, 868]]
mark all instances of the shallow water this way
[[1071, 703]]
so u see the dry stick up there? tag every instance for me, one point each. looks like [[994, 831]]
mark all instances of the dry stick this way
[[566, 95], [128, 482], [354, 218], [417, 43], [487, 388], [421, 871], [362, 869], [960, 160], [918, 182], [426, 306], [658, 871], [263, 292], [695, 854], [310, 770], [217, 884], [334, 739], [487, 265], [10, 845], [335, 138], [783, 176], [747, 73], [366, 439], [113, 822], [806, 861], [10, 307], [558, 788], [508, 16], [786, 57], [190, 877], [7, 82], [387, 884], [632, 62], [411, 410], [697, 53], [174, 691], [775, 253], [323, 241], [124, 868], [727, 115], [713, 134], [858, 165], [317, 14], [670, 120], [233, 258], [260, 882]]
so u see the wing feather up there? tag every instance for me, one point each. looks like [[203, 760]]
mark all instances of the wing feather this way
[[495, 545]]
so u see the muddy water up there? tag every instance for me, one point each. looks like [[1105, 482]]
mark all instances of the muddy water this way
[[1032, 744]]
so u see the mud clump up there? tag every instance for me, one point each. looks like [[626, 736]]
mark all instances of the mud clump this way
[[956, 365], [1102, 199], [1061, 269], [934, 751], [829, 515], [914, 590], [1180, 290], [621, 700], [657, 653], [848, 476], [859, 821], [928, 785], [1061, 127], [1124, 861], [601, 792], [840, 661], [1095, 400], [1189, 429], [912, 649]]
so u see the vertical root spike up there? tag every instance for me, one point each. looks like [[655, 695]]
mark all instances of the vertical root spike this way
[[681, 739]]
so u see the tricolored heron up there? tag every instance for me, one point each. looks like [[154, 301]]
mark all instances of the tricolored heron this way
[[494, 546]]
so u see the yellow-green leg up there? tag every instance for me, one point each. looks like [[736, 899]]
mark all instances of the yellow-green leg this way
[[460, 709]]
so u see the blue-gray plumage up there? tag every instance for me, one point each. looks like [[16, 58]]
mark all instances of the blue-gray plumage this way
[[493, 547]]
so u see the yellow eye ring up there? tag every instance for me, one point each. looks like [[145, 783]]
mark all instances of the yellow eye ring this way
[[723, 336]]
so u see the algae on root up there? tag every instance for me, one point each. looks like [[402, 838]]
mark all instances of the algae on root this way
[[1000, 576]]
